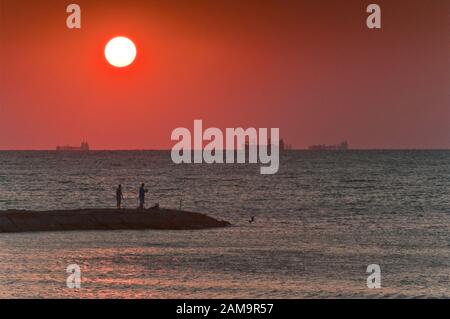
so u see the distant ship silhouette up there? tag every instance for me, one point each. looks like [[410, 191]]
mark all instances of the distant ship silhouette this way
[[339, 147], [84, 147], [282, 146]]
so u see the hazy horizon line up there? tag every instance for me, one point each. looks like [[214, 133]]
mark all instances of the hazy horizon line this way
[[168, 150]]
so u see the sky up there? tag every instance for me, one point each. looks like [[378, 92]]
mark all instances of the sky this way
[[310, 68]]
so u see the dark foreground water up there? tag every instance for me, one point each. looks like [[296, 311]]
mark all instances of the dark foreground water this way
[[319, 223]]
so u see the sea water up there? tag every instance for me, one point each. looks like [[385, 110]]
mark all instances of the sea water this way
[[319, 222]]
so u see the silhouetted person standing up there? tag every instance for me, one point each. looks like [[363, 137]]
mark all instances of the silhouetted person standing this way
[[142, 192], [119, 196]]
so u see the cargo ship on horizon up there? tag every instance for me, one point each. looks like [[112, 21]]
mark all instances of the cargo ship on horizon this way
[[338, 147], [282, 146], [84, 147]]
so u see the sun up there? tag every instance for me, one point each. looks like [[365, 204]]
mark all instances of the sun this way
[[120, 52]]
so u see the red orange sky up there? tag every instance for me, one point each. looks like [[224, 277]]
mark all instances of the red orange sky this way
[[311, 68]]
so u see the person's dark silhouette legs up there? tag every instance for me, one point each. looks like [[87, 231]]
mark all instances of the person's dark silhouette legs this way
[[119, 197]]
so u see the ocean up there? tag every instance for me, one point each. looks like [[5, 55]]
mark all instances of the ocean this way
[[318, 224]]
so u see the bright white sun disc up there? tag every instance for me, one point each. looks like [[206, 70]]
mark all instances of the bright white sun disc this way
[[120, 52]]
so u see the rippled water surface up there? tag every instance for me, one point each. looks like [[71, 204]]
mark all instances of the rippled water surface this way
[[319, 223]]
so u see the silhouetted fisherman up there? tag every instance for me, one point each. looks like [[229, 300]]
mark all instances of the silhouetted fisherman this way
[[119, 196], [142, 192]]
